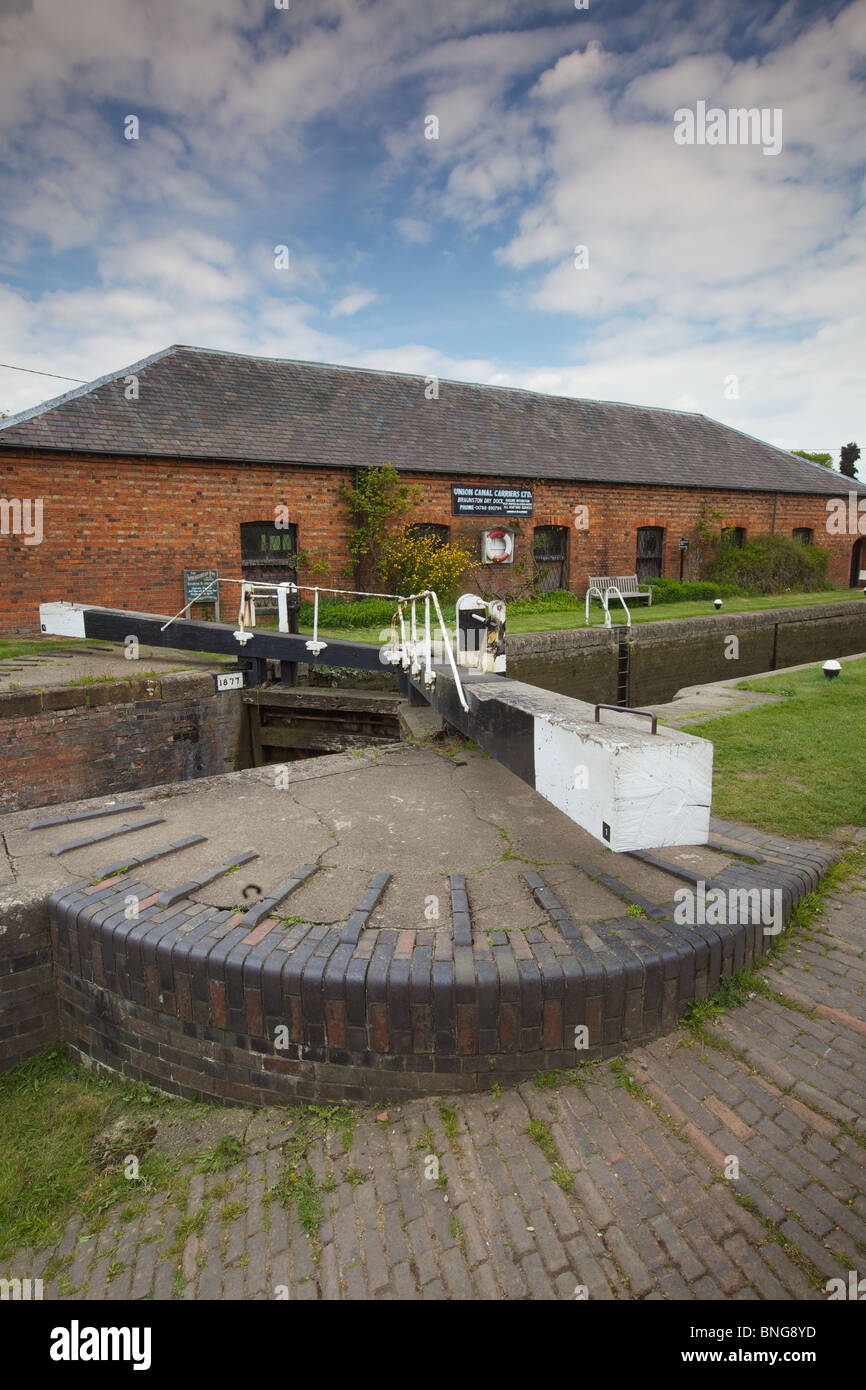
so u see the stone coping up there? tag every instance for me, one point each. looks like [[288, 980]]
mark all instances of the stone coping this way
[[254, 1008]]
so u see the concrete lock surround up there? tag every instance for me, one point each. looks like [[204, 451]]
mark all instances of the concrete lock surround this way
[[217, 993]]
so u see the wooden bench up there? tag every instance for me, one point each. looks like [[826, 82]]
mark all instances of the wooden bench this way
[[626, 583]]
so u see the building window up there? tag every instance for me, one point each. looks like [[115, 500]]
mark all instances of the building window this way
[[803, 534], [269, 554], [650, 549], [734, 535], [421, 530], [550, 558], [263, 543]]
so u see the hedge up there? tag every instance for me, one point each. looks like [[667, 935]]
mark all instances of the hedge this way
[[690, 591]]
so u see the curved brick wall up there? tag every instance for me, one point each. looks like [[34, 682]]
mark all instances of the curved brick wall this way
[[191, 998]]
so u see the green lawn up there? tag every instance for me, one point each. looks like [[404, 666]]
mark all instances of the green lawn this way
[[52, 1111], [795, 767], [640, 613], [39, 646]]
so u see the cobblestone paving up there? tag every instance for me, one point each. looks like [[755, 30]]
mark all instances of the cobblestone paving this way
[[621, 1185]]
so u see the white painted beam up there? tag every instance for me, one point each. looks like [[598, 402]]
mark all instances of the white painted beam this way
[[62, 619], [628, 787]]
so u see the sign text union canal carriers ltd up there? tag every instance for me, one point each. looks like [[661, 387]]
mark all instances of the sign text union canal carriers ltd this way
[[491, 501]]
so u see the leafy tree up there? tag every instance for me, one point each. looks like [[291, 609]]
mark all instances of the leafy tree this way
[[374, 507], [848, 460], [826, 460]]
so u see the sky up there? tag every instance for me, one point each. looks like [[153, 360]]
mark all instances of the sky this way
[[486, 190]]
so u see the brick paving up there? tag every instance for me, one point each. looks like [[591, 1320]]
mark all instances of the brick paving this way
[[622, 1186]]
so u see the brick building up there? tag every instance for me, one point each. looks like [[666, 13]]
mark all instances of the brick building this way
[[186, 459]]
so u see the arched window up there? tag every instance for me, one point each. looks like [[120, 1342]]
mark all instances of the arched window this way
[[420, 530], [734, 535], [550, 558]]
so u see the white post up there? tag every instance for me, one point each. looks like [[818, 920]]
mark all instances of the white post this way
[[315, 646], [416, 664], [404, 649], [283, 607], [429, 676]]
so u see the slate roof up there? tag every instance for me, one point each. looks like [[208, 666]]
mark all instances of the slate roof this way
[[199, 403]]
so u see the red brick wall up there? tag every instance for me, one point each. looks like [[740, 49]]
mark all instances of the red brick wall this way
[[61, 754], [119, 531]]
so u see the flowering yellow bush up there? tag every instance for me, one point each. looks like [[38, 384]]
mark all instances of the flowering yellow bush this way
[[411, 563]]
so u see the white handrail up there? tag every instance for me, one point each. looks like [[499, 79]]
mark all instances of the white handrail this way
[[429, 676], [614, 590], [249, 588], [415, 667], [449, 652], [604, 599]]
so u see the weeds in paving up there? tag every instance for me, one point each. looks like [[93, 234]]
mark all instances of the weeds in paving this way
[[231, 1211], [426, 1139], [735, 990], [577, 1075], [634, 910], [191, 1224], [797, 1256], [622, 1076], [545, 1080], [562, 1176], [297, 1186], [222, 1156], [449, 1124], [541, 1134]]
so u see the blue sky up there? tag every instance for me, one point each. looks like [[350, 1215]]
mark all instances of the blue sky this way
[[720, 279]]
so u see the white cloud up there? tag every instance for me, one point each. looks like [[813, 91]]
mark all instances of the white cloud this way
[[703, 262], [413, 230], [352, 302]]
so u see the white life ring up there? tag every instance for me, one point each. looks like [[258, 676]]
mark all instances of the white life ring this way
[[507, 547]]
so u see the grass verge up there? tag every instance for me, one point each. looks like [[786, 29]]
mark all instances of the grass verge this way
[[561, 619], [51, 1114], [794, 767]]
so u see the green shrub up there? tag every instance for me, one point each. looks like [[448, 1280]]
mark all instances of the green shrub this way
[[369, 612], [771, 565], [690, 591], [553, 602], [411, 563]]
